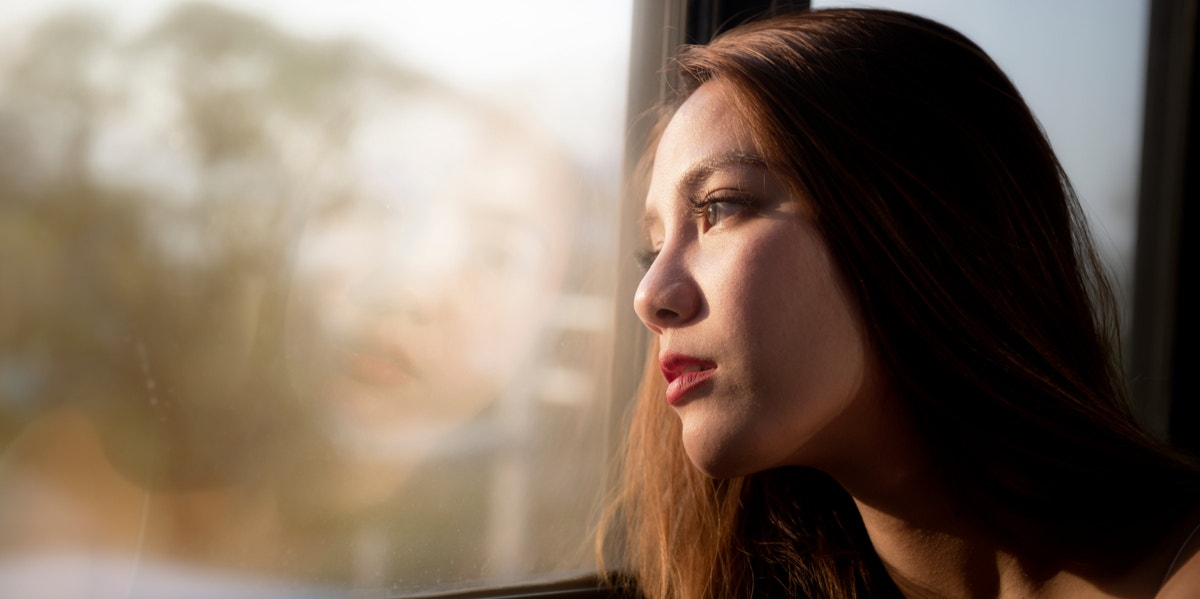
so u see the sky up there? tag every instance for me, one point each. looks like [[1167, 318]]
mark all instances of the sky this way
[[562, 63], [511, 40]]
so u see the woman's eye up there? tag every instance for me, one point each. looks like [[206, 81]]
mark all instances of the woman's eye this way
[[719, 210]]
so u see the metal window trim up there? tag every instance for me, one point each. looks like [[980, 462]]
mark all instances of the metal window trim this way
[[1159, 262]]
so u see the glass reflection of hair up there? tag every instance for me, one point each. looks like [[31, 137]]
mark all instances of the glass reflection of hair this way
[[967, 266]]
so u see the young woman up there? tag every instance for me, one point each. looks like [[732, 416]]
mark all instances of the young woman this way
[[883, 353]]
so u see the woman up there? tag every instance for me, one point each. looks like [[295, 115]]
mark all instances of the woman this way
[[884, 361]]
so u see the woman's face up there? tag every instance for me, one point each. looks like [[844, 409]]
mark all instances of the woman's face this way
[[760, 342], [420, 301]]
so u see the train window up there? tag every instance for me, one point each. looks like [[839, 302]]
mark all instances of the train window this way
[[328, 299], [304, 299]]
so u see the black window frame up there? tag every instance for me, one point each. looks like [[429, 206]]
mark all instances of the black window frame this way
[[1163, 326]]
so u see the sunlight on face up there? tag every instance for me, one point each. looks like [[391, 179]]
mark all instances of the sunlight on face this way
[[760, 341]]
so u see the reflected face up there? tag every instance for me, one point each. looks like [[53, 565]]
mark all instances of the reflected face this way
[[760, 341], [420, 300]]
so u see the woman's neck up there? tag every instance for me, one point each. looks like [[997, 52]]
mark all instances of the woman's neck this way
[[933, 553], [925, 538], [934, 545]]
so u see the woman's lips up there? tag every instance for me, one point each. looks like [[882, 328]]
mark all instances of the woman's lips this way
[[683, 374], [376, 366]]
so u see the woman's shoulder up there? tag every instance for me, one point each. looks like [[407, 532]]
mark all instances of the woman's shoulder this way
[[56, 484], [1182, 578]]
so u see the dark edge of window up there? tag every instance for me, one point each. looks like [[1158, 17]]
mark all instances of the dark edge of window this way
[[707, 18], [1164, 394], [581, 586], [1185, 407]]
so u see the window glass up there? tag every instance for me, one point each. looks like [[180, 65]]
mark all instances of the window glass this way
[[1080, 65], [304, 298]]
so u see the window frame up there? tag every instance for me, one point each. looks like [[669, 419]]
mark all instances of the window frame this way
[[1162, 389]]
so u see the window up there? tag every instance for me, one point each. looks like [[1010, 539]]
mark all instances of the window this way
[[302, 298], [320, 299]]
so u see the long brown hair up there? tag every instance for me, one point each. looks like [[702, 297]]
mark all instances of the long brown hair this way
[[971, 264]]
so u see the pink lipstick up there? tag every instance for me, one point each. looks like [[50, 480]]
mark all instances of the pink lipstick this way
[[684, 373], [376, 364]]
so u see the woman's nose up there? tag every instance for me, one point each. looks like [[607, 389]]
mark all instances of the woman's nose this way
[[414, 280], [668, 296], [418, 300]]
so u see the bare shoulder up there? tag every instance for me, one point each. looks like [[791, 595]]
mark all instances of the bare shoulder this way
[[1183, 581], [56, 484], [61, 439]]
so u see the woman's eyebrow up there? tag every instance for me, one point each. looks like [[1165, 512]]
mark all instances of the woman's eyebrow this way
[[706, 168]]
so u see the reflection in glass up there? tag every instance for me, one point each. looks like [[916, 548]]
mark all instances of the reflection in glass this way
[[282, 317]]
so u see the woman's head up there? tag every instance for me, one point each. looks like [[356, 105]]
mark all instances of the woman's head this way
[[759, 338], [944, 211]]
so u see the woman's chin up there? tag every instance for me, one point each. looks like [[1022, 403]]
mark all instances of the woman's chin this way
[[716, 464]]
